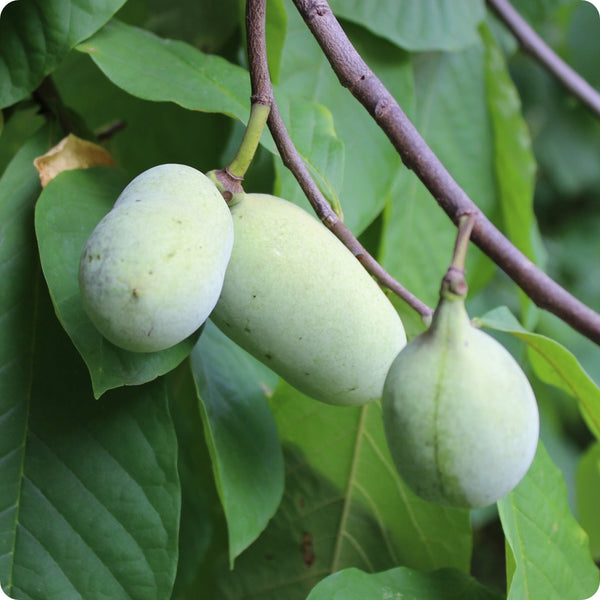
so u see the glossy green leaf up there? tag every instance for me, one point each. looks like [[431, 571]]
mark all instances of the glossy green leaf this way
[[588, 492], [68, 210], [550, 550], [156, 69], [514, 162], [19, 188], [89, 496], [161, 70], [417, 26], [371, 165], [402, 584], [35, 36], [553, 364], [452, 116], [152, 133], [241, 435], [344, 506], [312, 129]]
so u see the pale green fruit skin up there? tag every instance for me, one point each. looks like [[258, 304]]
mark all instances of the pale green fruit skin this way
[[460, 417], [152, 269], [297, 299]]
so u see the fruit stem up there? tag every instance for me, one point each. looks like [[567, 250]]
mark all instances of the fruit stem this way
[[259, 113], [454, 280]]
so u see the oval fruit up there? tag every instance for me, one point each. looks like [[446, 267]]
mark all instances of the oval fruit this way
[[460, 417], [153, 268], [297, 299]]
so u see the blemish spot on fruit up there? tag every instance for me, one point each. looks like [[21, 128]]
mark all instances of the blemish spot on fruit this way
[[134, 294], [268, 356]]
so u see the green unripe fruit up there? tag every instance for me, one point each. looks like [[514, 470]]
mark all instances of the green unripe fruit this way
[[296, 298], [152, 269], [460, 417]]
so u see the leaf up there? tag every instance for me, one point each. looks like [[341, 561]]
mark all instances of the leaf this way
[[312, 129], [588, 492], [371, 165], [155, 69], [452, 116], [241, 435], [344, 506], [549, 548], [514, 162], [199, 495], [89, 497], [163, 70], [417, 26], [71, 153], [19, 187], [553, 364], [35, 36], [152, 133], [401, 584], [68, 210]]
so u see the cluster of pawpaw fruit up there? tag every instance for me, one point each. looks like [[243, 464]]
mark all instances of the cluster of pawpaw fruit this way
[[460, 418]]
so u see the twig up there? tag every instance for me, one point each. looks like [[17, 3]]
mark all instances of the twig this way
[[534, 45], [354, 74], [262, 91]]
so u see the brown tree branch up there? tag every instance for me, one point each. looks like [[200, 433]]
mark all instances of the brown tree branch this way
[[355, 75], [262, 91], [535, 46]]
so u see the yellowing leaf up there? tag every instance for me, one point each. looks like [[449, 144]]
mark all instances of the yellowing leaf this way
[[71, 153]]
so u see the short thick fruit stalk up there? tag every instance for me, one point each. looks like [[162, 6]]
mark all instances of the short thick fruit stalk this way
[[460, 417]]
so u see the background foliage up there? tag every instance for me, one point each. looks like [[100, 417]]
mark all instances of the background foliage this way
[[196, 472]]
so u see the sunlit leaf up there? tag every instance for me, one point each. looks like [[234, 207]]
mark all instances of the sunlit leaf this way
[[550, 550], [552, 363]]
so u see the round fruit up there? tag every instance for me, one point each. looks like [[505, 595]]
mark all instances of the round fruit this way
[[297, 299], [153, 268], [460, 417]]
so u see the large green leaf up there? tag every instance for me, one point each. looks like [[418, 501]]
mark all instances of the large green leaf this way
[[89, 495], [161, 70], [153, 132], [401, 583], [453, 118], [514, 162], [344, 506], [423, 25], [19, 187], [156, 69], [371, 164], [241, 435], [550, 551], [68, 210], [588, 492], [36, 35], [552, 363]]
